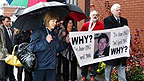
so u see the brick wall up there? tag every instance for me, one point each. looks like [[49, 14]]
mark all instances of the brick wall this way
[[133, 10], [9, 11], [81, 4]]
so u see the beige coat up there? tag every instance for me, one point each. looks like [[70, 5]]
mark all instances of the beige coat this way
[[3, 50]]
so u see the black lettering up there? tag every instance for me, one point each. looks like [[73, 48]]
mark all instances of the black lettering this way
[[86, 38], [74, 40], [113, 51], [88, 56], [118, 50], [81, 40], [81, 57]]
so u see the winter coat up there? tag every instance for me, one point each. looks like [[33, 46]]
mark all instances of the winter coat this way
[[3, 49], [44, 50], [111, 22]]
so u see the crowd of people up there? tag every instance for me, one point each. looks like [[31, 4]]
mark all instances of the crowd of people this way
[[51, 44]]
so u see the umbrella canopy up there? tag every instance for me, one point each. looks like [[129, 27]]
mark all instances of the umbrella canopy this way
[[76, 12], [9, 1], [24, 3], [31, 17], [27, 22], [32, 2], [42, 7]]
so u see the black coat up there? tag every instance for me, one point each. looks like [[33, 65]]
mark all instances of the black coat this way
[[23, 36], [105, 53], [111, 22]]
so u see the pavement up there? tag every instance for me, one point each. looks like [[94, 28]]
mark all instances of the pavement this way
[[59, 77], [97, 77]]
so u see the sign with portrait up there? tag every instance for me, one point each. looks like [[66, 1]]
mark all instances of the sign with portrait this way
[[102, 45]]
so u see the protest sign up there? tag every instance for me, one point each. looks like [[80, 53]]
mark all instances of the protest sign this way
[[97, 46]]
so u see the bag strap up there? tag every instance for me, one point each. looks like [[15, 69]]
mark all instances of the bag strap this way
[[24, 48], [13, 52]]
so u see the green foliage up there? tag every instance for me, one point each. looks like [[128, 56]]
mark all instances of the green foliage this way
[[135, 64]]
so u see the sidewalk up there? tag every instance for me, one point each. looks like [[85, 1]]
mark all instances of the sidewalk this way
[[59, 77], [98, 77]]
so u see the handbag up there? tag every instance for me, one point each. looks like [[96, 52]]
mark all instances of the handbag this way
[[12, 59], [26, 57]]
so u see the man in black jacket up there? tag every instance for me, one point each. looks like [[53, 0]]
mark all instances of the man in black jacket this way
[[114, 21]]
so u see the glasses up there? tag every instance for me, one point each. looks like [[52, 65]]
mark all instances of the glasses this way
[[8, 21], [96, 15]]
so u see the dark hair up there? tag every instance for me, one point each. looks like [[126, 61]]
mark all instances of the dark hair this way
[[1, 16], [103, 35], [4, 17], [1, 19], [66, 22]]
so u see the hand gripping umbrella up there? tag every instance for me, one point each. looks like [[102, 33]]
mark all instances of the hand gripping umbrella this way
[[31, 17]]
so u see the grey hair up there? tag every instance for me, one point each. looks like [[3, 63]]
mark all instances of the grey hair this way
[[115, 6]]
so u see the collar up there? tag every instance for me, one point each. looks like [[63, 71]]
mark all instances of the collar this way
[[49, 31], [116, 17], [7, 27], [91, 25], [97, 22]]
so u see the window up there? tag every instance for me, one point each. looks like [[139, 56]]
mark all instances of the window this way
[[75, 2]]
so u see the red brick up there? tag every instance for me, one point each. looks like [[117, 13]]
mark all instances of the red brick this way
[[133, 10]]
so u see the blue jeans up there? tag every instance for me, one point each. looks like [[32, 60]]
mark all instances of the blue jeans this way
[[44, 75], [120, 70]]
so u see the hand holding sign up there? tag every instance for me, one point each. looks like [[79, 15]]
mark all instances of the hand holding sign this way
[[67, 38]]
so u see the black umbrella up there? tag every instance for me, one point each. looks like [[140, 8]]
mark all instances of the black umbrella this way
[[31, 17], [74, 8], [76, 12]]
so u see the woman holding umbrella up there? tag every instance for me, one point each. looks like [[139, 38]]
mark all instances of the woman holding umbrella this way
[[45, 44]]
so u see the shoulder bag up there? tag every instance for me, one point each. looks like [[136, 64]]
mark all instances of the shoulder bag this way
[[26, 57]]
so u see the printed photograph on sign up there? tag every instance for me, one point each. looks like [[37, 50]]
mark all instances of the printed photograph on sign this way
[[101, 45]]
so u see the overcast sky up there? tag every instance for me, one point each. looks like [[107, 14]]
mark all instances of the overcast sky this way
[[3, 2]]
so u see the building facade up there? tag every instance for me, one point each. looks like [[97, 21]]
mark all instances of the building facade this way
[[133, 10]]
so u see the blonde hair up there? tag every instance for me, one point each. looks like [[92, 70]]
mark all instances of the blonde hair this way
[[49, 16]]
